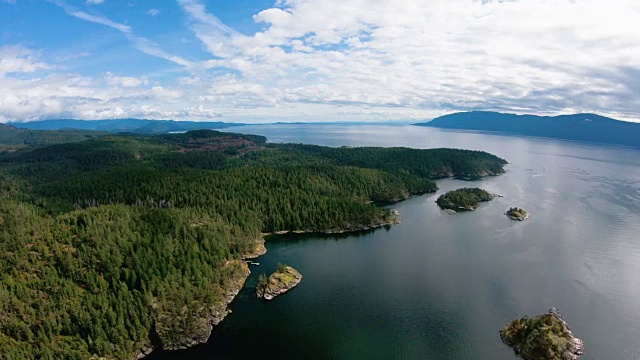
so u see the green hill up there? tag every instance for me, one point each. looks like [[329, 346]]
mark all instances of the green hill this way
[[15, 138], [141, 126], [577, 127]]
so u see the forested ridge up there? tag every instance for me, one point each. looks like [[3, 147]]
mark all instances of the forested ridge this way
[[12, 138], [117, 243], [590, 128]]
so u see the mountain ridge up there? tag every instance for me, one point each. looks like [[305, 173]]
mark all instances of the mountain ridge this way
[[142, 126], [583, 127], [12, 138]]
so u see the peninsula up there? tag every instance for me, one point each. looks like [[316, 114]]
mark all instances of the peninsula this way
[[545, 336], [278, 283], [147, 234], [466, 199]]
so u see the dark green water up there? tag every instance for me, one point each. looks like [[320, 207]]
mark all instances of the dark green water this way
[[440, 286]]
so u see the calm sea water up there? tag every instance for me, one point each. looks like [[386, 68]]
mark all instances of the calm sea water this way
[[440, 286]]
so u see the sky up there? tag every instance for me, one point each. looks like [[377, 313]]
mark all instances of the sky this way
[[316, 60]]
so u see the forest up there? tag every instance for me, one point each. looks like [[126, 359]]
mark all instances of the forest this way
[[466, 199], [125, 242], [545, 336]]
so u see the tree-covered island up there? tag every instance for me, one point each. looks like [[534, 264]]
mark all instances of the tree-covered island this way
[[466, 199], [278, 283], [544, 337], [518, 214], [120, 244]]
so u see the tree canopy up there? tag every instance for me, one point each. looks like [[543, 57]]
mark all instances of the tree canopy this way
[[110, 243]]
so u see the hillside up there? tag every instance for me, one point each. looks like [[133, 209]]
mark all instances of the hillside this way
[[579, 127], [116, 245], [12, 138], [141, 126]]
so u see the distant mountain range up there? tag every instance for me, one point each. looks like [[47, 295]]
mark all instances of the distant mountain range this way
[[140, 126], [579, 127], [15, 138]]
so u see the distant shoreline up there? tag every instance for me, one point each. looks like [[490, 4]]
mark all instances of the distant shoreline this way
[[510, 134]]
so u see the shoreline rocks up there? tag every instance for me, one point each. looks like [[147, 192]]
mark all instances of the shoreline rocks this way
[[517, 214], [278, 283], [532, 338], [205, 318], [217, 312], [392, 219], [258, 250]]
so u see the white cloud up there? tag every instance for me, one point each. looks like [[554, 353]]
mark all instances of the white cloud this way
[[153, 12], [71, 95], [68, 56], [151, 48], [125, 81], [141, 43], [208, 28], [95, 2], [18, 59], [189, 80], [70, 10], [364, 59], [437, 56], [167, 94]]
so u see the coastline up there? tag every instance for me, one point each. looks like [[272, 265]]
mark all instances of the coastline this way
[[260, 249], [393, 220], [218, 315], [217, 312], [526, 217]]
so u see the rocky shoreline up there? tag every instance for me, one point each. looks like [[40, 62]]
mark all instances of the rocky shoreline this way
[[470, 177], [278, 283], [393, 219], [517, 214], [531, 337], [464, 199], [217, 313], [258, 250]]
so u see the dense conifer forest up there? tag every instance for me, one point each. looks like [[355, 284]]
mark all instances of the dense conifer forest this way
[[121, 242], [467, 199]]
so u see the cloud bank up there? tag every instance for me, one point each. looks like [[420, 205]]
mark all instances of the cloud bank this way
[[315, 60]]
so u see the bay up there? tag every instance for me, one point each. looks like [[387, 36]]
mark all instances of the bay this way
[[439, 286]]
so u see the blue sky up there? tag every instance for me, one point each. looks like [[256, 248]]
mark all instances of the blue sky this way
[[316, 60]]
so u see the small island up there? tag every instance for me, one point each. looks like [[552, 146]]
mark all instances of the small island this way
[[546, 336], [518, 214], [281, 281], [466, 199]]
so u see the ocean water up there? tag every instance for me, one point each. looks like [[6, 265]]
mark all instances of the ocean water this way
[[441, 286]]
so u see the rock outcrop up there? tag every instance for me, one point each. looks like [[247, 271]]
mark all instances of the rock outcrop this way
[[546, 336], [187, 327], [517, 214], [278, 283], [258, 250]]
